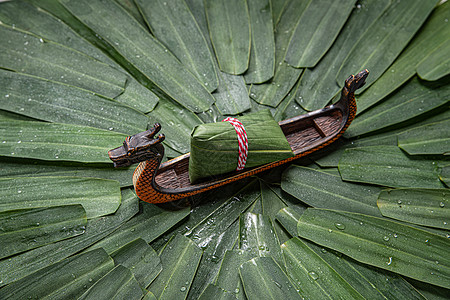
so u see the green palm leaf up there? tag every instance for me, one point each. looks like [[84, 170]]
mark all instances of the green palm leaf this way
[[375, 241], [428, 207], [98, 71]]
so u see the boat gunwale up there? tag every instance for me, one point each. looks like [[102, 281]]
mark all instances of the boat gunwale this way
[[326, 111]]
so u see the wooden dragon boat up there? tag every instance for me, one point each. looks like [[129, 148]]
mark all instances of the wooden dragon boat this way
[[157, 182]]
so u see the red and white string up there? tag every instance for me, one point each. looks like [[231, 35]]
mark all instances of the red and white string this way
[[242, 141]]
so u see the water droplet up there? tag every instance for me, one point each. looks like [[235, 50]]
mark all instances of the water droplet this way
[[395, 235], [18, 142], [236, 291], [330, 231], [386, 238], [442, 204], [19, 191], [7, 96], [389, 262], [427, 242], [278, 284], [399, 201], [4, 142], [41, 40], [261, 247], [339, 226], [111, 128], [183, 288], [313, 275], [323, 250]]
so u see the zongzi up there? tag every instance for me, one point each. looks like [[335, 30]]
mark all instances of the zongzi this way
[[218, 148]]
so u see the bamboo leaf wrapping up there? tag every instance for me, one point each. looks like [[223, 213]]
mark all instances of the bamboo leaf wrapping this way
[[214, 146]]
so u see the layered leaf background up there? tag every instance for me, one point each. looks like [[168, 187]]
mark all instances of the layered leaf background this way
[[366, 218]]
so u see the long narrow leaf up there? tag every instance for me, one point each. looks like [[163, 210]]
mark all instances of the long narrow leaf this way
[[388, 166], [50, 141], [210, 262], [413, 99], [433, 138], [430, 291], [28, 17], [60, 103], [288, 107], [222, 217], [278, 7], [228, 276], [322, 190], [262, 54], [177, 133], [435, 66], [288, 217], [445, 175], [26, 229], [225, 199], [133, 9], [11, 167], [273, 92], [180, 260], [231, 96], [379, 242], [119, 283], [98, 196], [372, 283], [174, 25], [316, 30], [312, 275], [141, 259], [263, 278], [385, 39], [215, 234], [318, 85], [258, 237], [66, 279], [30, 55], [138, 96], [22, 265], [434, 32], [143, 51], [428, 207], [229, 27], [151, 217], [271, 204], [215, 292]]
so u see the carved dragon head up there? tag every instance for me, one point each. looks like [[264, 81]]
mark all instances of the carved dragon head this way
[[355, 82], [138, 147]]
